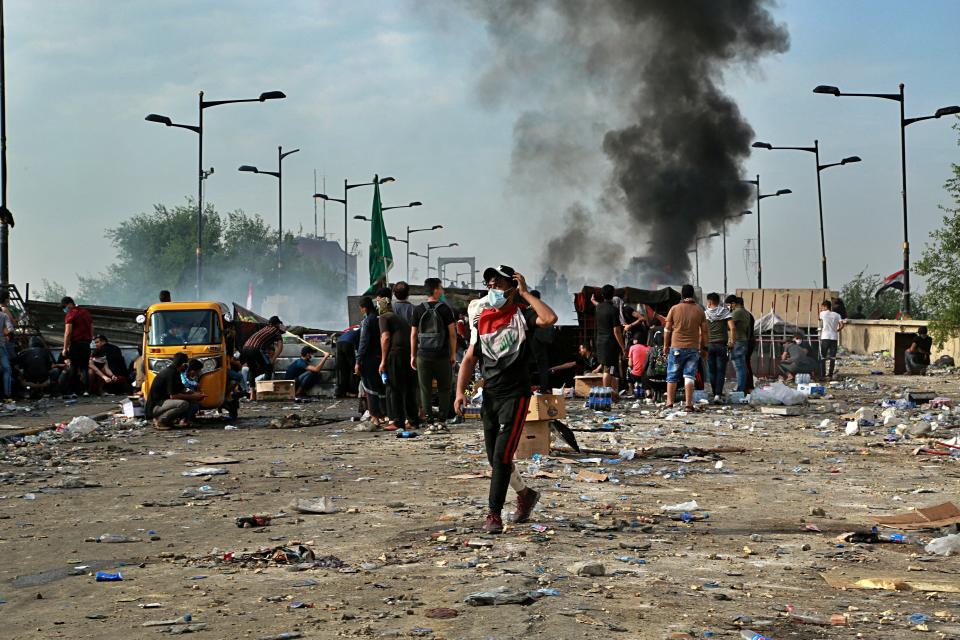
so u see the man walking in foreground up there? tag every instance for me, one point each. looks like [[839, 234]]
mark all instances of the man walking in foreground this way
[[685, 338], [502, 326]]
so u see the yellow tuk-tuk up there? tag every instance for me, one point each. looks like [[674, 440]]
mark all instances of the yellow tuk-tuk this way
[[200, 330]]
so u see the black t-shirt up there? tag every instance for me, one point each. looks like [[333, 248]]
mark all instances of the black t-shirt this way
[[514, 378], [114, 357], [36, 363], [589, 363], [924, 344], [399, 331], [446, 317], [607, 318], [166, 384]]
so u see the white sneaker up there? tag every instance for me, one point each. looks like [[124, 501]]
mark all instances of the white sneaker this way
[[716, 399], [365, 416]]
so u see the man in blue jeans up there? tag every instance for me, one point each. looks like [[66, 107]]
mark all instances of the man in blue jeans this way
[[685, 339], [742, 330], [306, 374], [720, 330]]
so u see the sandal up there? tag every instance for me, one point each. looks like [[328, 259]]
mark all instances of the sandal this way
[[690, 408], [391, 426]]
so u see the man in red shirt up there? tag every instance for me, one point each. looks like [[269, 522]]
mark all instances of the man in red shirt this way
[[77, 334]]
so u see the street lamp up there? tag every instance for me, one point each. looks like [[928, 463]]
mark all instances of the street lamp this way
[[346, 189], [201, 174], [904, 121], [431, 247], [420, 255], [407, 242], [278, 174], [723, 222], [696, 251], [403, 206], [815, 150], [780, 192]]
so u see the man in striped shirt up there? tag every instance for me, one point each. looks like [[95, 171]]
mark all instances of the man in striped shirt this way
[[255, 353]]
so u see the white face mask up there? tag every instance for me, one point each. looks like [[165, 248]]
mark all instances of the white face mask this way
[[496, 298]]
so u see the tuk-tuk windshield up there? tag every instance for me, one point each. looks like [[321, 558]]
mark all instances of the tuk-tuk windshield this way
[[173, 328]]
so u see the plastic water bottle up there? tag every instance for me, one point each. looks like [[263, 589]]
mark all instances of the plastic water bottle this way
[[637, 390], [103, 576], [607, 398], [747, 634], [383, 376]]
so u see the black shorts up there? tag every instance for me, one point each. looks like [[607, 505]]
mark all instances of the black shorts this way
[[608, 352], [256, 360]]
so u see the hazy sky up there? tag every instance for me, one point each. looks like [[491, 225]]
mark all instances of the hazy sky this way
[[390, 87]]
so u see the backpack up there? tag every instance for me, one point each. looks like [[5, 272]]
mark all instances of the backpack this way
[[657, 363], [431, 331]]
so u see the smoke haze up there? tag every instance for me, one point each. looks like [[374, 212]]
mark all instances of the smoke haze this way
[[673, 144]]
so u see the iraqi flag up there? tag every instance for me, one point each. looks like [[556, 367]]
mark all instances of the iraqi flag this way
[[892, 281]]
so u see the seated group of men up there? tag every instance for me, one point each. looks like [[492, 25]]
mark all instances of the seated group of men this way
[[36, 372]]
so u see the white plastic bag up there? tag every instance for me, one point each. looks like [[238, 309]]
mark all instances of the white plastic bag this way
[[683, 506], [945, 546], [81, 426], [777, 393]]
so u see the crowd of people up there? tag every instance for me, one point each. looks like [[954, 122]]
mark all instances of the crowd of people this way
[[401, 357]]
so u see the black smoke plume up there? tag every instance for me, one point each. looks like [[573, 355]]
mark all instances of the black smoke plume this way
[[654, 69]]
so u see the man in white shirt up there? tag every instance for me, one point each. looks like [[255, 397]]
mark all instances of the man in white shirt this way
[[831, 324]]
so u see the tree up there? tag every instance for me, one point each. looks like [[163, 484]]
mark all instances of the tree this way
[[50, 291], [157, 251], [859, 292], [940, 264]]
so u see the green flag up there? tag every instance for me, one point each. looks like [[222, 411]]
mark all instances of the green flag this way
[[381, 258]]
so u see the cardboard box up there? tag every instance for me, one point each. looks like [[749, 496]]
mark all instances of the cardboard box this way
[[583, 384], [544, 407], [273, 390], [132, 407], [535, 438], [812, 389]]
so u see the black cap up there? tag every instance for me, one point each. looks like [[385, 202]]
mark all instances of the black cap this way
[[307, 350], [274, 320], [503, 272]]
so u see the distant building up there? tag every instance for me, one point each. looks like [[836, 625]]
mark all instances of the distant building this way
[[329, 253]]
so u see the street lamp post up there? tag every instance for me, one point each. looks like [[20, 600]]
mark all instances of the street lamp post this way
[[696, 251], [407, 242], [201, 174], [904, 122], [278, 174], [815, 150], [431, 247], [723, 222], [780, 192], [420, 255], [346, 190]]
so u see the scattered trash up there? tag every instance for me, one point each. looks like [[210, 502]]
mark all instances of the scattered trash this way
[[114, 539], [889, 582], [184, 619], [103, 576], [945, 546], [933, 517], [322, 505], [253, 521], [79, 426], [204, 471], [501, 596], [683, 506], [588, 568]]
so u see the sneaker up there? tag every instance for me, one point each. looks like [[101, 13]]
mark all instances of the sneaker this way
[[455, 420], [525, 505], [493, 524], [716, 399]]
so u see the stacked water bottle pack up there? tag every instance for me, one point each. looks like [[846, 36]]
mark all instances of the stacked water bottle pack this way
[[600, 399]]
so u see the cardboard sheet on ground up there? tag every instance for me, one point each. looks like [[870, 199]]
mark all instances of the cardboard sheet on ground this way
[[590, 476], [940, 515], [890, 581], [214, 460]]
